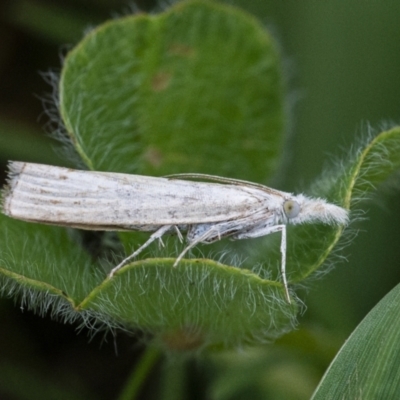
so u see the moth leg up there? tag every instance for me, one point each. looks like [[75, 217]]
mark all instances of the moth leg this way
[[266, 231], [156, 235], [195, 242], [160, 243], [178, 233]]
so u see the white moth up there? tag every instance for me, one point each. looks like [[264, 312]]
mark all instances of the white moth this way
[[206, 211]]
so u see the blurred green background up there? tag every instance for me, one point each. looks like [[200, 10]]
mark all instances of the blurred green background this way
[[343, 70]]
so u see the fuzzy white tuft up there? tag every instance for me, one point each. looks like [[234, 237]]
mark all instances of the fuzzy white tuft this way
[[319, 210]]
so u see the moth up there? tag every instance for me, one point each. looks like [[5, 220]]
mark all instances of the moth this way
[[206, 211]]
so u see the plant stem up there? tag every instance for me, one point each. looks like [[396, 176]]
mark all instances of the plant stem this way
[[139, 374]]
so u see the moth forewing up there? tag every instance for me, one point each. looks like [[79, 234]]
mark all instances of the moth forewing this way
[[208, 211], [103, 200]]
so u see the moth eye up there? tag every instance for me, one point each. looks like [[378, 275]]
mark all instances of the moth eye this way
[[291, 208]]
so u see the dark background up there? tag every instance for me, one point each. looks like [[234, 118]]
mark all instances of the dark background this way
[[343, 68]]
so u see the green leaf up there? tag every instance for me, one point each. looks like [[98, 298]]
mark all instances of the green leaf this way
[[46, 259], [197, 88], [367, 366], [312, 248], [199, 303]]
